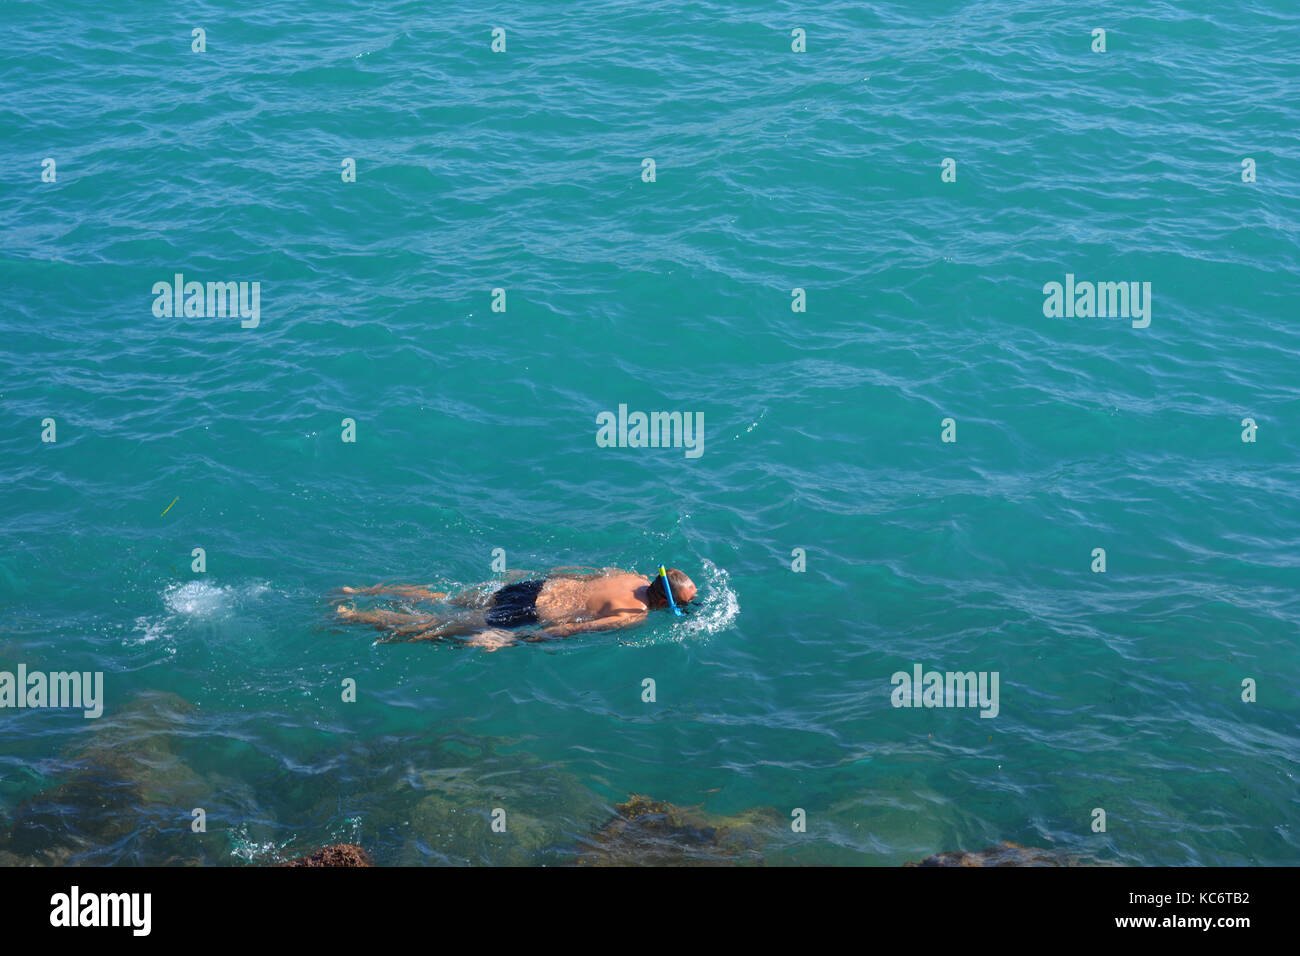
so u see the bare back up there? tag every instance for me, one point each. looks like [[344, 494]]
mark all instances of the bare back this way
[[565, 600]]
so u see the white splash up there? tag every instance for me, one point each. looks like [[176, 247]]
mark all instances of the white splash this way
[[193, 600], [754, 424], [718, 608], [150, 630], [201, 599], [246, 848]]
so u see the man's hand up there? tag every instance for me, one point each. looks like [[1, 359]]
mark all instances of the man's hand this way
[[492, 639]]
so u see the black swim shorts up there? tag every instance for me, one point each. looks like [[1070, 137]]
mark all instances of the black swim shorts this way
[[515, 604]]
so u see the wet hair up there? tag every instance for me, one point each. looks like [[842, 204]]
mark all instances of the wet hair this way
[[677, 579]]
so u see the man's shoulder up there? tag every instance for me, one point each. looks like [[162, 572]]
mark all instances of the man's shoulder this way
[[623, 577]]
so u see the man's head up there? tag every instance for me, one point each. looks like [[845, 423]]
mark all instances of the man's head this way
[[683, 589]]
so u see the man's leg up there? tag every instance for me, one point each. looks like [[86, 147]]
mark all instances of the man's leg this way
[[478, 596], [387, 620], [458, 627], [404, 590]]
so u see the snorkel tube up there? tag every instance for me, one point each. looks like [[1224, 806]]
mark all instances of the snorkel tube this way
[[668, 590]]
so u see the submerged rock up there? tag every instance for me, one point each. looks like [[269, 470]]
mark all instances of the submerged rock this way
[[647, 832], [138, 746], [341, 854], [120, 798], [1004, 854], [456, 813]]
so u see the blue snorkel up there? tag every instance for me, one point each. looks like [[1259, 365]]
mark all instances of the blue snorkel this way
[[668, 590]]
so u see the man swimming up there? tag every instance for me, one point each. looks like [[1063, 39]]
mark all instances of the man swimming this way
[[564, 602]]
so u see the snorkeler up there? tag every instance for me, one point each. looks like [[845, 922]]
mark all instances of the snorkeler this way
[[563, 602]]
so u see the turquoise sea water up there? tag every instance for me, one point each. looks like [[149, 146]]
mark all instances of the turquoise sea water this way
[[775, 170]]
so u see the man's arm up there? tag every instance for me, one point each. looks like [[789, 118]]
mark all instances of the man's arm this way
[[610, 623]]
